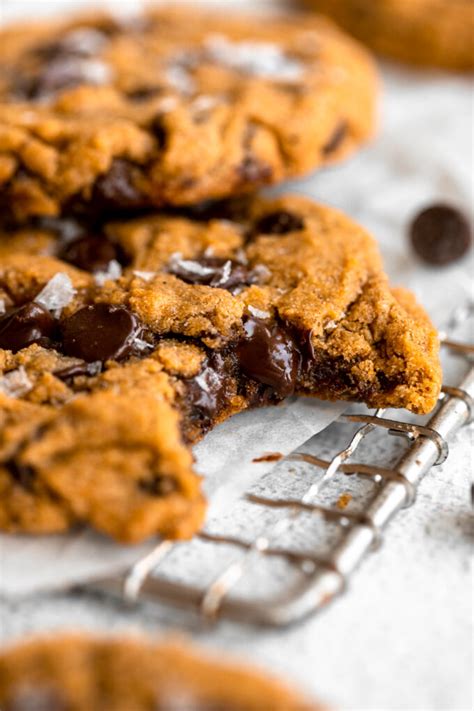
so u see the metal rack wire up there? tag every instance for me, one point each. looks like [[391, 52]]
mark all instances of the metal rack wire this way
[[321, 576]]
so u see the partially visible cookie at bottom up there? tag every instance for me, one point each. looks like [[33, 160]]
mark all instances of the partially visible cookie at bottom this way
[[123, 343], [437, 33], [77, 672]]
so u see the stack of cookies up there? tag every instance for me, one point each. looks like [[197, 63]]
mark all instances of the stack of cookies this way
[[146, 292]]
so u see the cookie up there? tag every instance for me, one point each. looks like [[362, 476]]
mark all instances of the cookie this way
[[176, 107], [436, 33], [75, 672], [111, 369]]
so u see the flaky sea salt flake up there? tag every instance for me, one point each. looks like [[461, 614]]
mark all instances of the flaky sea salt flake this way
[[142, 345], [112, 273], [180, 79], [56, 294], [85, 40], [205, 102], [258, 313], [263, 59], [15, 383], [146, 276]]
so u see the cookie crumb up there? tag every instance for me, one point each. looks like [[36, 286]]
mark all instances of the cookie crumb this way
[[344, 500], [268, 457]]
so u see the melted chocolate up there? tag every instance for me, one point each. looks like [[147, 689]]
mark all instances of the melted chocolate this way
[[207, 391], [116, 189], [25, 325], [22, 474], [93, 254], [270, 355], [99, 333], [279, 223]]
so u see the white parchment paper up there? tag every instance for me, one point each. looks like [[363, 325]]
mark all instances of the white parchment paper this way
[[224, 458]]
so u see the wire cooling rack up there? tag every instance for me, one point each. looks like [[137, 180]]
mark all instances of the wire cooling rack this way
[[291, 543]]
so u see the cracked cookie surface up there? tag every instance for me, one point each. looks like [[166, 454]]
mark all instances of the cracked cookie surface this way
[[175, 107], [75, 672], [426, 32], [115, 359]]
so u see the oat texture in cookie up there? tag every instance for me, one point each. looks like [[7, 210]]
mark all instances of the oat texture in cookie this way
[[99, 114], [107, 380]]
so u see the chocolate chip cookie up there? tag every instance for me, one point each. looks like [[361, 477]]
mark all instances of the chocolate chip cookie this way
[[123, 342], [426, 32], [82, 673], [174, 107]]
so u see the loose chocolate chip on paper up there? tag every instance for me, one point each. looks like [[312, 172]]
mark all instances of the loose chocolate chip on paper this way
[[269, 354], [100, 332], [25, 325], [279, 223], [440, 235]]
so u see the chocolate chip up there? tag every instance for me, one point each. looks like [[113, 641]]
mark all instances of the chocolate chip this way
[[440, 235], [158, 485], [25, 325], [307, 347], [212, 271], [269, 354], [159, 131], [99, 333], [143, 93], [23, 475], [93, 254], [234, 209], [116, 189], [279, 223], [335, 140], [206, 392]]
